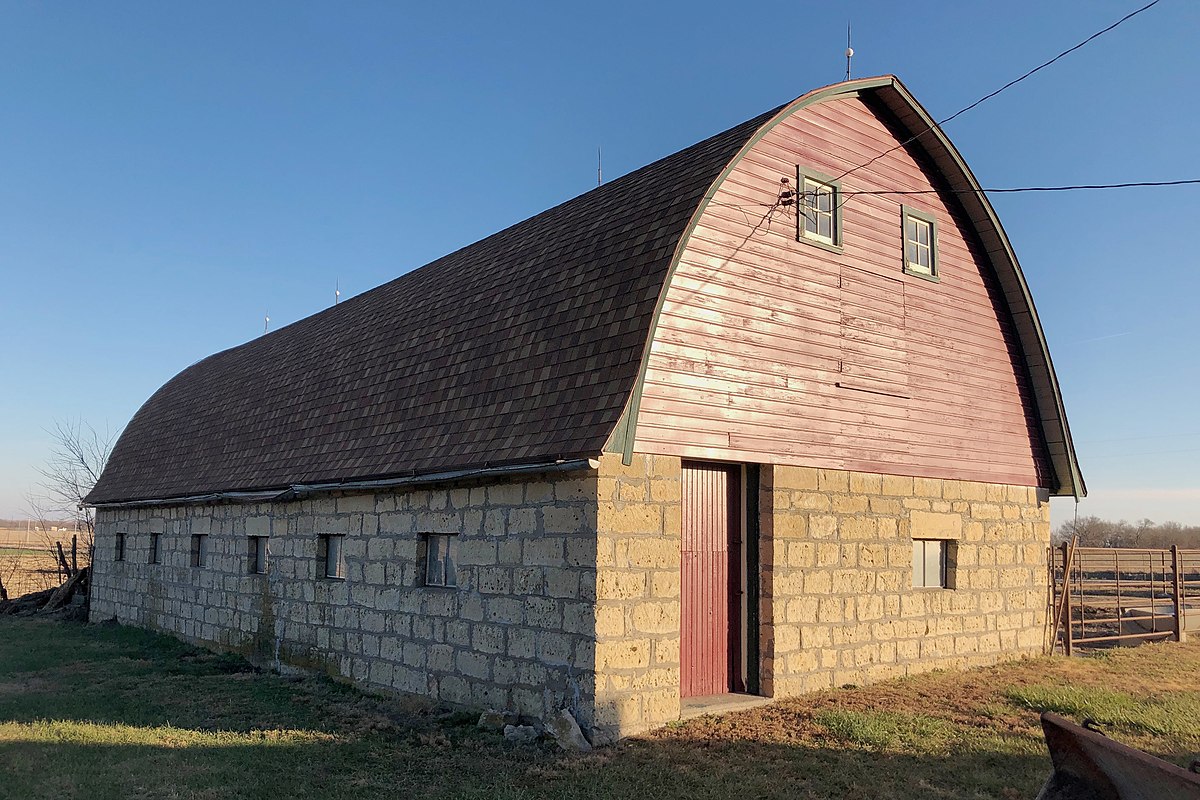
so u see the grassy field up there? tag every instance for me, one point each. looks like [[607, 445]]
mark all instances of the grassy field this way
[[108, 712], [24, 570], [26, 563]]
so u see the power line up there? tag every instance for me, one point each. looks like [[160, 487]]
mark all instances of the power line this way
[[1008, 85], [1014, 189], [997, 190]]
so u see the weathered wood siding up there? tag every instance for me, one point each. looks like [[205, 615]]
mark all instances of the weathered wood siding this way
[[773, 350]]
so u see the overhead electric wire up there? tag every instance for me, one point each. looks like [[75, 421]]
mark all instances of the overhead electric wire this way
[[1008, 85], [847, 194], [1013, 189]]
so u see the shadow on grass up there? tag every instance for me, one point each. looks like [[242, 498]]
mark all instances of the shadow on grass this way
[[385, 765], [141, 715]]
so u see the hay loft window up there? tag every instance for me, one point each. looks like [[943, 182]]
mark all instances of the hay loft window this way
[[199, 549], [818, 210], [119, 554], [933, 564], [920, 243], [332, 553], [441, 556], [257, 555], [155, 548]]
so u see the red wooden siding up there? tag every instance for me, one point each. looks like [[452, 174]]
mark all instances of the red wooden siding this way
[[710, 633], [772, 350]]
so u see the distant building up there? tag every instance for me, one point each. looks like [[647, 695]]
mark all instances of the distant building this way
[[741, 421]]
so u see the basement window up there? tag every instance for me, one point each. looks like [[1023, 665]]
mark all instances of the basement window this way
[[441, 557], [933, 566], [199, 549], [119, 555], [332, 552], [257, 555], [818, 210], [920, 243], [155, 539]]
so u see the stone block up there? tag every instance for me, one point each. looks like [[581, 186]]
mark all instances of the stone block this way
[[567, 519], [545, 551], [506, 494], [561, 582], [803, 478], [929, 525], [622, 654], [615, 585]]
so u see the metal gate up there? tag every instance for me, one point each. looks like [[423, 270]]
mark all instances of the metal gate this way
[[1123, 595], [710, 628]]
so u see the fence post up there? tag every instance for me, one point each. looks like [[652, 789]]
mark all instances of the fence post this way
[[1177, 594], [1065, 617]]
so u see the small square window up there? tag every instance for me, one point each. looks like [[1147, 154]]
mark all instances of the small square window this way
[[332, 553], [257, 555], [932, 567], [818, 210], [119, 555], [441, 558], [920, 242], [199, 549], [155, 539]]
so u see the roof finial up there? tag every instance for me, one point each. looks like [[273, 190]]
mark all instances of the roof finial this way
[[849, 50], [599, 162], [337, 290], [266, 320]]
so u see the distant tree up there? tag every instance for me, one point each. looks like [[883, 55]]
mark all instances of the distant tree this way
[[1096, 532], [77, 457]]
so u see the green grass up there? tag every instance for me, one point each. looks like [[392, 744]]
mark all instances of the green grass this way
[[1174, 714], [23, 551], [885, 729], [109, 712]]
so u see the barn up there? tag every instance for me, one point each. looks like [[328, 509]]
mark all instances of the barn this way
[[772, 414]]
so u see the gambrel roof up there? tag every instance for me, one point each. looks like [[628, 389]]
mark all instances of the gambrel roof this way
[[523, 348]]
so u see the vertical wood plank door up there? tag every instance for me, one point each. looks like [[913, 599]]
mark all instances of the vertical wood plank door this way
[[710, 630]]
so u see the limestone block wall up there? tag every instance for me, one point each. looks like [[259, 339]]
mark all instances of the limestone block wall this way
[[838, 605], [517, 632], [637, 594]]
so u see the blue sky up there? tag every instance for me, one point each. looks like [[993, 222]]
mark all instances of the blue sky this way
[[171, 172]]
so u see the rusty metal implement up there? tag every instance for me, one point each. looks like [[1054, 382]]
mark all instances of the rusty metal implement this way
[[1087, 764]]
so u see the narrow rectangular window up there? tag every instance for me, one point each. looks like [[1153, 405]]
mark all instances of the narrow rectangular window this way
[[257, 555], [930, 564], [199, 549], [920, 242], [155, 539], [120, 550], [441, 558], [818, 210], [333, 556]]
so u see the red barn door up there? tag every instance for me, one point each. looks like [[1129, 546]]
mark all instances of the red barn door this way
[[710, 628]]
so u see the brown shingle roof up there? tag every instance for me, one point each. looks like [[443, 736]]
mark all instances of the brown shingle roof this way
[[520, 348]]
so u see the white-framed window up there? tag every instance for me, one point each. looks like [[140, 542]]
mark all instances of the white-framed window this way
[[920, 242], [332, 552], [257, 555], [199, 549], [931, 564], [441, 559], [818, 209]]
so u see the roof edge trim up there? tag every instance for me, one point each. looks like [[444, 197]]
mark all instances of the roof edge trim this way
[[1068, 475], [299, 490]]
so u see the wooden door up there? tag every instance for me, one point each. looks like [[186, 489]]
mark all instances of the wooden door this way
[[710, 628]]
